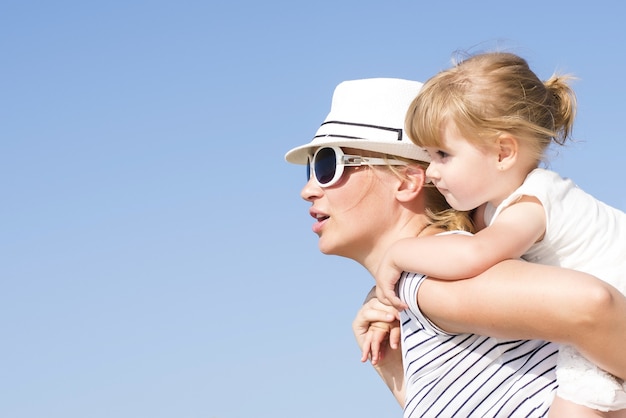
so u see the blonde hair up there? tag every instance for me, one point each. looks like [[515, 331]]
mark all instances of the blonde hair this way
[[438, 211], [489, 94]]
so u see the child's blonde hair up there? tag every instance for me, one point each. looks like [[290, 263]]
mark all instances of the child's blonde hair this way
[[490, 94]]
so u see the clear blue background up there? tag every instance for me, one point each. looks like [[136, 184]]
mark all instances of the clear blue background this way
[[156, 258]]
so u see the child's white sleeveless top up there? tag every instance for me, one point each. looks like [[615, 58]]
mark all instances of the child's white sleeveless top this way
[[584, 234]]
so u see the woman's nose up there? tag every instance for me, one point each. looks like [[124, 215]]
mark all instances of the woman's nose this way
[[311, 190]]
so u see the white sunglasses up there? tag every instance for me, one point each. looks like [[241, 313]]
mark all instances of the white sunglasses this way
[[327, 164]]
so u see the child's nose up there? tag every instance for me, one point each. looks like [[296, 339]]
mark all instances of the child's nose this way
[[432, 172]]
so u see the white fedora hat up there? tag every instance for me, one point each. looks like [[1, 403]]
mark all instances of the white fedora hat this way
[[369, 115]]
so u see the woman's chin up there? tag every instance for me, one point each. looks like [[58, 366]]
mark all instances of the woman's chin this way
[[337, 250], [327, 248]]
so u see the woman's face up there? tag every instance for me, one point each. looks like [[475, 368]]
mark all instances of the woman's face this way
[[350, 215]]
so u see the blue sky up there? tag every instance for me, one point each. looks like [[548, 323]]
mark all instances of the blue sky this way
[[157, 260]]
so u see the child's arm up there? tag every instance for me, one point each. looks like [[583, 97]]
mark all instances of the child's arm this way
[[456, 256]]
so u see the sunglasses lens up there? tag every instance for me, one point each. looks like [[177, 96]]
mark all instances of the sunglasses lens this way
[[325, 164], [308, 169]]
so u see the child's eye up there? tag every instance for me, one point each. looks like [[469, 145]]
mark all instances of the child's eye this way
[[436, 154]]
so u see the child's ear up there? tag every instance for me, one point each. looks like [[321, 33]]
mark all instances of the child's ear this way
[[507, 151], [410, 187]]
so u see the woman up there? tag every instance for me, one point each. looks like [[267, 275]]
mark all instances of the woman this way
[[366, 185]]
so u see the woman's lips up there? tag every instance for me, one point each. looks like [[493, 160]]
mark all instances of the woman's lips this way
[[320, 220]]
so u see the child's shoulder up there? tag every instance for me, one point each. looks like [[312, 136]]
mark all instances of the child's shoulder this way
[[542, 173], [459, 231]]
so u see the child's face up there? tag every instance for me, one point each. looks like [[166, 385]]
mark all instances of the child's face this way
[[462, 171]]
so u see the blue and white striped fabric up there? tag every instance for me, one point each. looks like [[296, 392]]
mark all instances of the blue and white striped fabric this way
[[465, 375]]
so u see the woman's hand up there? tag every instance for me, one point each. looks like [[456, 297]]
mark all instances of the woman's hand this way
[[376, 329]]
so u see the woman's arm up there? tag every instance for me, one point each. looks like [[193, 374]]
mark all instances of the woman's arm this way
[[388, 366], [520, 300]]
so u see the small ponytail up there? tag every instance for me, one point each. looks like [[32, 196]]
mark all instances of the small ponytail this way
[[563, 106]]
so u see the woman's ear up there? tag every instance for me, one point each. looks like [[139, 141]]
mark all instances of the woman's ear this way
[[412, 184], [507, 151]]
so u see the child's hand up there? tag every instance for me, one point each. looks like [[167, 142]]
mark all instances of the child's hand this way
[[387, 277]]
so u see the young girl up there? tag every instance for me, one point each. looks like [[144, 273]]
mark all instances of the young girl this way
[[486, 124]]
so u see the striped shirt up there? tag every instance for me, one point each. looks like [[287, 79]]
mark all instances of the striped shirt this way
[[464, 375]]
